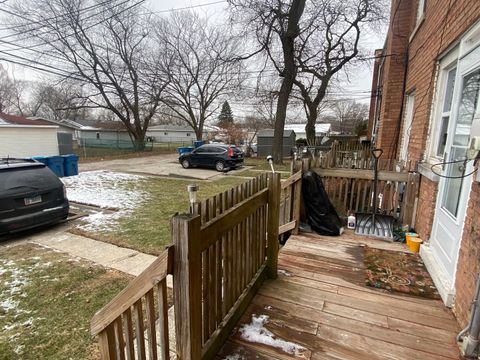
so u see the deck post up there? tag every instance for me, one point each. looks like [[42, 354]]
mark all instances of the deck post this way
[[297, 204], [274, 189], [187, 273]]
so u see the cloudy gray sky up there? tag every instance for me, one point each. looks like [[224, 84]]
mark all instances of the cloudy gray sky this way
[[356, 86]]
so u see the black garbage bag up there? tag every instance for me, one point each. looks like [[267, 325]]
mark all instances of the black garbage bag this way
[[321, 214]]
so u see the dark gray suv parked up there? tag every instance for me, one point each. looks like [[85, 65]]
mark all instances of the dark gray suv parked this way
[[219, 156], [31, 195]]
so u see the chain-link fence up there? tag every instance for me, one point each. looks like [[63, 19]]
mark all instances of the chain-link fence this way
[[96, 149]]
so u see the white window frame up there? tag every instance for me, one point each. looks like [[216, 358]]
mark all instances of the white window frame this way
[[407, 125], [447, 64], [467, 43], [422, 4]]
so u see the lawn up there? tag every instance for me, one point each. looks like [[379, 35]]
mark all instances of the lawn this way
[[262, 164], [146, 226], [47, 300]]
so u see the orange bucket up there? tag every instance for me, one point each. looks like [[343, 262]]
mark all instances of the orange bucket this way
[[415, 244], [409, 236]]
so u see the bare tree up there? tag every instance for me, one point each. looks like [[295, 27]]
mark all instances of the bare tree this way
[[6, 89], [106, 48], [202, 68], [349, 114], [328, 41], [275, 24]]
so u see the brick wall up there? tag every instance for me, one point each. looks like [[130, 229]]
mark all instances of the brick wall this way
[[429, 42], [444, 23], [393, 69], [426, 207], [469, 258]]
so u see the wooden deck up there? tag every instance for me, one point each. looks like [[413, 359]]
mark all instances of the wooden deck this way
[[318, 308]]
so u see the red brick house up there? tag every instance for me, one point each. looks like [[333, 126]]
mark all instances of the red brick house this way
[[425, 108]]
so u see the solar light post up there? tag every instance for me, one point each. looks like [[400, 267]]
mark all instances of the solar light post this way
[[270, 161], [192, 196]]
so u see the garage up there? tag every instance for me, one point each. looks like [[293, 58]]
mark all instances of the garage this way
[[22, 137]]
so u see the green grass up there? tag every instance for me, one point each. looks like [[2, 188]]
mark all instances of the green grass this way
[[262, 164], [147, 229], [53, 299], [255, 173]]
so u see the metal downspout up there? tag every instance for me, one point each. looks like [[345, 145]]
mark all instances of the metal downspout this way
[[470, 342]]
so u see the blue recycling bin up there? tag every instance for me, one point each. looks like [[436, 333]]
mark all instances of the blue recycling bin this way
[[55, 163], [198, 143], [42, 159], [70, 164], [184, 149]]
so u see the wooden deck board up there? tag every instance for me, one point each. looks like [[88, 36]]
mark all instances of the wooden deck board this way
[[319, 302]]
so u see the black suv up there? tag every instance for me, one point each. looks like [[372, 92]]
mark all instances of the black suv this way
[[31, 195], [219, 156]]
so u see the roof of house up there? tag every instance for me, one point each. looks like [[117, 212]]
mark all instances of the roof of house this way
[[270, 132], [7, 119], [106, 126], [300, 128], [170, 128], [64, 122]]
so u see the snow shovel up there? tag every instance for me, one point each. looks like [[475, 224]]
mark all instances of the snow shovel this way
[[375, 224]]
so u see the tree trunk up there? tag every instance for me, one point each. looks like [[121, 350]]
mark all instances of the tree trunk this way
[[280, 116], [310, 127], [290, 72]]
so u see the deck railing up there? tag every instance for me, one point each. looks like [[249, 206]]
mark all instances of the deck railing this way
[[290, 203], [355, 155], [222, 251], [350, 191], [134, 325]]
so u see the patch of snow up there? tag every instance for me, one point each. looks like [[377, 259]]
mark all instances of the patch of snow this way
[[104, 189], [284, 272], [107, 190], [257, 333], [8, 304], [234, 357]]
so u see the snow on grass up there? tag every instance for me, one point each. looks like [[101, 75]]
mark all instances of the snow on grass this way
[[257, 333], [107, 190], [14, 279], [104, 189], [234, 357]]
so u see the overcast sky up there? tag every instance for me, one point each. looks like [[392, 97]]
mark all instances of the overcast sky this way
[[359, 77]]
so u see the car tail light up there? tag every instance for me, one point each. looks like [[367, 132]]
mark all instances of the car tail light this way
[[230, 152]]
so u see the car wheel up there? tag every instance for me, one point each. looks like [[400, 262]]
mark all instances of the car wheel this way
[[185, 163], [219, 166]]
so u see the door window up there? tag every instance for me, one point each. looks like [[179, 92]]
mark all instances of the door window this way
[[458, 152]]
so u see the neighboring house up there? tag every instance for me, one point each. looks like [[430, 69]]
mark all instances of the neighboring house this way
[[265, 142], [321, 129], [64, 126], [425, 108], [22, 137], [171, 134], [105, 134]]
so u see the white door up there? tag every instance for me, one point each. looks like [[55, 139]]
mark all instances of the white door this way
[[454, 186]]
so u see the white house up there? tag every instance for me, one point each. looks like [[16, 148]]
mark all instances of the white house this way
[[22, 137], [299, 129], [64, 126], [172, 134]]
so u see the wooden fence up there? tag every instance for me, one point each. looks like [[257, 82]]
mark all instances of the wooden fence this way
[[220, 256], [355, 155], [127, 327], [350, 191], [290, 203]]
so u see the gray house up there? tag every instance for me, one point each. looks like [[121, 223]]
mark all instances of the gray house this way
[[171, 134], [265, 142]]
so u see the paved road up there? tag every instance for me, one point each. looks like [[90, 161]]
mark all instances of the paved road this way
[[160, 165]]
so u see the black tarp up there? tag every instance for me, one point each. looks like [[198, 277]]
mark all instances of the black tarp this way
[[321, 214]]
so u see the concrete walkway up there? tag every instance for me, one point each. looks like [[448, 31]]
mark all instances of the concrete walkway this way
[[108, 255]]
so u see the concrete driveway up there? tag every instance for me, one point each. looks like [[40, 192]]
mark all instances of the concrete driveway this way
[[160, 165]]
